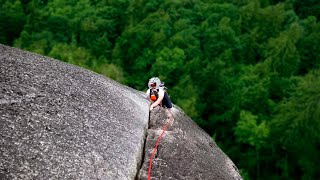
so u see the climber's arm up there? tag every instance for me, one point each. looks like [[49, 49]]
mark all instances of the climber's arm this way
[[158, 101]]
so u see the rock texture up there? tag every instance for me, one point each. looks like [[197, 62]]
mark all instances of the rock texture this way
[[58, 121], [185, 151]]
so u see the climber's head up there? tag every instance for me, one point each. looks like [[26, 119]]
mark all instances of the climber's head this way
[[154, 83]]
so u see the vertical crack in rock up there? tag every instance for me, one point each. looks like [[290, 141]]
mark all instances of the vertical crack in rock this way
[[143, 150], [156, 120], [183, 142]]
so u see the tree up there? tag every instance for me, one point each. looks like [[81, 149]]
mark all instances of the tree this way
[[309, 46], [72, 54], [305, 8], [249, 131], [168, 63], [297, 127], [12, 20], [282, 53]]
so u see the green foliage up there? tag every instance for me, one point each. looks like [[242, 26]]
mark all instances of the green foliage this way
[[186, 97], [255, 90], [282, 52], [36, 42], [169, 62], [12, 20], [72, 54], [249, 131], [305, 8], [297, 125], [247, 71], [309, 45], [112, 71]]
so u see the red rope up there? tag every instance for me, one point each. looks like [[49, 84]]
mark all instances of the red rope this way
[[156, 146]]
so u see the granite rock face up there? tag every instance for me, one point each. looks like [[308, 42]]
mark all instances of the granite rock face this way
[[185, 151], [58, 121]]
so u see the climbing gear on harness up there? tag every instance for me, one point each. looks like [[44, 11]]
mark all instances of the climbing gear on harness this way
[[154, 94]]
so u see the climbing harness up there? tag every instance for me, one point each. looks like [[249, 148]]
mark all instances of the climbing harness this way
[[154, 94], [157, 143]]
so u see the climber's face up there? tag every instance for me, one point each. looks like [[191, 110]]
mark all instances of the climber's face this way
[[153, 85]]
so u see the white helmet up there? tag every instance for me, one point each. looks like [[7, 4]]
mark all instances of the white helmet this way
[[154, 82]]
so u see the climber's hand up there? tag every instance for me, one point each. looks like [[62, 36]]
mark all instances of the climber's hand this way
[[151, 108]]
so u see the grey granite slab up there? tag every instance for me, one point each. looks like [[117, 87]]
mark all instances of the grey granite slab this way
[[185, 151], [59, 121]]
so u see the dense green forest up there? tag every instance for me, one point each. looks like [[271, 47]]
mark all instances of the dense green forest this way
[[247, 71]]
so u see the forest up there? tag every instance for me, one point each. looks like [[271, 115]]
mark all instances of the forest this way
[[246, 71]]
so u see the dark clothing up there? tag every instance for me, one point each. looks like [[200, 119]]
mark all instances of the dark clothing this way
[[166, 101]]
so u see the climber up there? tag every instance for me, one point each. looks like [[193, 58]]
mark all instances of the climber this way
[[157, 94]]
